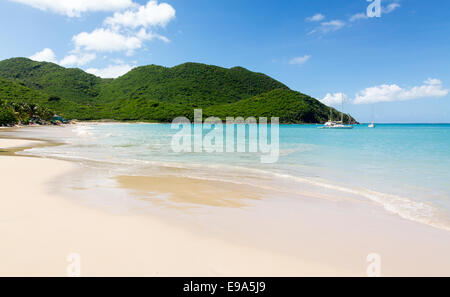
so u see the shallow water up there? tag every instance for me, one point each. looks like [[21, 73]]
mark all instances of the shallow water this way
[[404, 168]]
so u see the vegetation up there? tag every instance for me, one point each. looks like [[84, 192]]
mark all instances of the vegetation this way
[[190, 84], [290, 106], [155, 93], [71, 84], [7, 116], [12, 113], [16, 92]]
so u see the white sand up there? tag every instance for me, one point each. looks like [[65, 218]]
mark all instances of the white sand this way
[[38, 230], [15, 143]]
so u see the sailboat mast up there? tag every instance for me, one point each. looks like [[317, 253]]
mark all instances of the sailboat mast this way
[[342, 110]]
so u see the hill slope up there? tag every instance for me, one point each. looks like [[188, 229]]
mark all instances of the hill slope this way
[[71, 84], [290, 106], [191, 83], [155, 93], [16, 92]]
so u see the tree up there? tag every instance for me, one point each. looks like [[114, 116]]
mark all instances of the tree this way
[[7, 116]]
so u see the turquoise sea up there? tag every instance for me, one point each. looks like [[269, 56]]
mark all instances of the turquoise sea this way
[[403, 168]]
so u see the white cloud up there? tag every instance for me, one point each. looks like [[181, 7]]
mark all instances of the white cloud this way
[[316, 18], [77, 60], [152, 14], [144, 35], [112, 71], [75, 8], [46, 55], [106, 40], [330, 26], [300, 60], [390, 8], [431, 88], [127, 31], [358, 16], [363, 16], [334, 99]]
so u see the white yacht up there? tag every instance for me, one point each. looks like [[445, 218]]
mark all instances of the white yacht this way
[[336, 125], [372, 125]]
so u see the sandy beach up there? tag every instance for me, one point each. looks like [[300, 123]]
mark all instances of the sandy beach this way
[[40, 228]]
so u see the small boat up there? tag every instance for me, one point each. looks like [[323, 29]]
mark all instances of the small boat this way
[[337, 125], [372, 125]]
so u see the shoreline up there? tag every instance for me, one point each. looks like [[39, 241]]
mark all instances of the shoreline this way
[[39, 229], [325, 243]]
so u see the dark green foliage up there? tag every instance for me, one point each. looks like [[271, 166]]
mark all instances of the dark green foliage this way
[[7, 116], [290, 106], [16, 92], [54, 99], [191, 84], [156, 94], [20, 112], [71, 84]]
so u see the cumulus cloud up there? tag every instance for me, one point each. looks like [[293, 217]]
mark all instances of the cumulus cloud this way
[[431, 88], [46, 55], [316, 18], [148, 35], [112, 71], [75, 8], [334, 99], [300, 60], [128, 30], [106, 40], [77, 60], [152, 14]]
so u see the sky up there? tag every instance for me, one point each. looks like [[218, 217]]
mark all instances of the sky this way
[[389, 63]]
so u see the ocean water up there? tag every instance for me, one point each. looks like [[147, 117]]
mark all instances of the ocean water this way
[[403, 168]]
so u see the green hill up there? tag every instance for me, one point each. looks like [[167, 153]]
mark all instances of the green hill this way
[[16, 91], [290, 106], [191, 83], [71, 84], [156, 93]]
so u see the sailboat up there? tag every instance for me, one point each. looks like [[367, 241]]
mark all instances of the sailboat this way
[[337, 125], [372, 125]]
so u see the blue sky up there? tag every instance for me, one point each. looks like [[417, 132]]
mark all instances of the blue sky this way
[[397, 65]]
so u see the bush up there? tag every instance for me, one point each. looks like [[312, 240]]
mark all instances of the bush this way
[[7, 116], [54, 99]]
